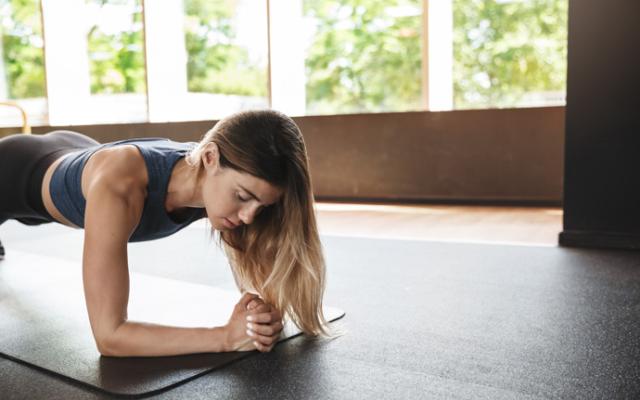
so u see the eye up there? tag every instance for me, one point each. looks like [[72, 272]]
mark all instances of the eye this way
[[240, 197]]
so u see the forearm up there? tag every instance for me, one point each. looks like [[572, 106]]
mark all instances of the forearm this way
[[143, 339]]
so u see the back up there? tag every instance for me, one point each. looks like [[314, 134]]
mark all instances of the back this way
[[160, 156]]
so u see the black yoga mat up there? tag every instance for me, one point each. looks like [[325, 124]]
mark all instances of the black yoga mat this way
[[44, 324]]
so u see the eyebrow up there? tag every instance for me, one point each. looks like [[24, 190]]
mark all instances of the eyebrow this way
[[250, 193]]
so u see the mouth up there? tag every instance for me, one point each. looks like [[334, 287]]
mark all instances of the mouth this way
[[229, 224]]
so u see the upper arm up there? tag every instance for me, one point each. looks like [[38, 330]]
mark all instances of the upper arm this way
[[114, 202]]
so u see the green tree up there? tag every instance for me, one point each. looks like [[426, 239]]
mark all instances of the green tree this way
[[22, 45], [504, 49], [215, 64], [116, 60], [363, 58]]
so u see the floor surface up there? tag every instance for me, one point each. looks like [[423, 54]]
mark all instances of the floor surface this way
[[425, 319]]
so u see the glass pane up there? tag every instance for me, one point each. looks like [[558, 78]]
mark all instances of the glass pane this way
[[363, 56], [115, 59], [22, 69], [116, 49], [227, 49], [509, 53]]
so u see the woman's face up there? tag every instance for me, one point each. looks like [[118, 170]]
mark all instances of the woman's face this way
[[233, 198]]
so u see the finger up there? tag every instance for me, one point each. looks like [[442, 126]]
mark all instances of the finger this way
[[246, 298], [255, 303], [252, 304], [263, 339], [264, 329], [260, 309], [261, 347], [264, 317]]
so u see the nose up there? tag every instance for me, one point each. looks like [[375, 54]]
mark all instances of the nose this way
[[247, 215]]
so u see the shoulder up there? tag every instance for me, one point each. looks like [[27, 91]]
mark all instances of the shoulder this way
[[122, 168]]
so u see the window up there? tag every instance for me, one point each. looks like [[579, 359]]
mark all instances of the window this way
[[509, 53], [110, 61], [227, 56], [205, 59], [22, 67], [94, 61], [116, 60], [363, 56]]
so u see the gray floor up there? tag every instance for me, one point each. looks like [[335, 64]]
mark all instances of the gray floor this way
[[424, 320]]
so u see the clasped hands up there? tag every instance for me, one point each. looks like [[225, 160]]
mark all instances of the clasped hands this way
[[254, 324]]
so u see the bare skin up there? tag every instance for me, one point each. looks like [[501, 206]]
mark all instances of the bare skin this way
[[114, 182]]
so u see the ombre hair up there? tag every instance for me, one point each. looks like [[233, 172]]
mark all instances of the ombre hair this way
[[279, 255]]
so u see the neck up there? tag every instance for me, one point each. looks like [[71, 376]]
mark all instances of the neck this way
[[184, 189]]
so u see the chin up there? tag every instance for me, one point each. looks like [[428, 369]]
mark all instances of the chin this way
[[220, 225], [217, 225]]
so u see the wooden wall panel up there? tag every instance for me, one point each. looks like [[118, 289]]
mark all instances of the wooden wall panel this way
[[512, 156]]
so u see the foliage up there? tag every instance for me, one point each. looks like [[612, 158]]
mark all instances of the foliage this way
[[364, 55], [23, 54], [504, 49], [215, 64], [116, 60], [363, 58]]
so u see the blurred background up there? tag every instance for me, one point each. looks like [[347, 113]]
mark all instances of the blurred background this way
[[116, 61], [437, 119]]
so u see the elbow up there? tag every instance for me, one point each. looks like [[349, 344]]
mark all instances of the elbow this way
[[106, 346], [104, 352]]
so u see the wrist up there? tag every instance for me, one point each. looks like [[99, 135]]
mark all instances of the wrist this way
[[220, 339]]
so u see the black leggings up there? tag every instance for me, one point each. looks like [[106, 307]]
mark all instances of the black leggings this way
[[24, 159]]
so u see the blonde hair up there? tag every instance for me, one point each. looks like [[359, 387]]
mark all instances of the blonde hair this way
[[278, 255]]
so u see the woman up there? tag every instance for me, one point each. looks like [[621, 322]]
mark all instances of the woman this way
[[248, 176]]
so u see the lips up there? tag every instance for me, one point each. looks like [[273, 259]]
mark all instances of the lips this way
[[229, 224]]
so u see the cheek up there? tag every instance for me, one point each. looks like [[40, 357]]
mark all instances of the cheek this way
[[217, 203]]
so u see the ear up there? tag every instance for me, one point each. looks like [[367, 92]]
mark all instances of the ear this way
[[210, 156]]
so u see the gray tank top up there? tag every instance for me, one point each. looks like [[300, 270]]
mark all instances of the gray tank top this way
[[160, 156]]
